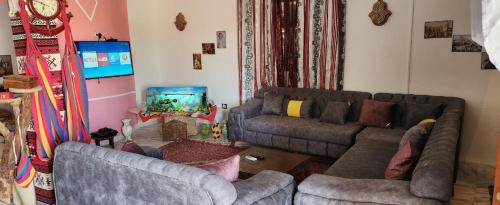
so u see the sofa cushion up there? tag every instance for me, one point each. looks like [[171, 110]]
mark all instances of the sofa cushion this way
[[367, 159], [273, 104], [311, 129], [297, 108], [417, 135], [401, 164], [376, 113], [381, 134], [335, 112]]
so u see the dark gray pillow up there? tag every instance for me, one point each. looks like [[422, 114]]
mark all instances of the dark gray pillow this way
[[417, 135], [305, 107], [416, 112], [272, 104], [335, 112]]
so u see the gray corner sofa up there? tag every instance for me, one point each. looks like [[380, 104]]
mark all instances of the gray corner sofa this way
[[87, 174], [358, 176]]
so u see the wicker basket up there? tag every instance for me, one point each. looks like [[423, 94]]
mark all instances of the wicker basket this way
[[174, 130]]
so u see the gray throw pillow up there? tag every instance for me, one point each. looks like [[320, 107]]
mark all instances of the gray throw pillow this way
[[335, 112], [417, 135], [273, 104], [305, 108], [416, 112]]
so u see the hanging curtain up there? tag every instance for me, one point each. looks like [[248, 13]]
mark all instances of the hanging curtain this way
[[300, 44], [485, 26]]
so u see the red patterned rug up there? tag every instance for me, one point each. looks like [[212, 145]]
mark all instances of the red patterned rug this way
[[190, 151]]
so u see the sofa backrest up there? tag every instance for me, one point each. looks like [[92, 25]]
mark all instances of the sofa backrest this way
[[87, 174], [321, 98], [399, 114], [434, 174]]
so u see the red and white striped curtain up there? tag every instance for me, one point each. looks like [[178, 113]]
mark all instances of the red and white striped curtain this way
[[319, 44]]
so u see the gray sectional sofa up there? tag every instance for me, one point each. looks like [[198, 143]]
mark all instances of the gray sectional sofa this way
[[87, 174], [363, 153]]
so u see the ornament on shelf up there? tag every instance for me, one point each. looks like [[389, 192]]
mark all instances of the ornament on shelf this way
[[380, 13]]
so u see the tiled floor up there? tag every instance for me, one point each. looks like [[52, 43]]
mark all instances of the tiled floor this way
[[469, 194]]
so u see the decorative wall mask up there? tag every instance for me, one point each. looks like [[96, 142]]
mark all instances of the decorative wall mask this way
[[180, 22], [380, 13]]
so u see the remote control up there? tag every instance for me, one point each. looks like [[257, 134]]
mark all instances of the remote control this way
[[251, 158]]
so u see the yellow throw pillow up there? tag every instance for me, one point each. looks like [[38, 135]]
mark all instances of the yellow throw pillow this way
[[293, 109], [425, 122]]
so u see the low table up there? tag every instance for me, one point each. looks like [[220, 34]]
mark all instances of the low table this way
[[276, 160]]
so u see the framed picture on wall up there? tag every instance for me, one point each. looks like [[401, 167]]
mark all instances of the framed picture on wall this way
[[438, 29], [464, 43], [208, 48], [197, 61], [221, 39], [486, 64], [6, 65]]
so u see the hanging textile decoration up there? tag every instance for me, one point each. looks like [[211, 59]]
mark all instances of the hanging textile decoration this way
[[318, 42], [25, 171], [49, 125]]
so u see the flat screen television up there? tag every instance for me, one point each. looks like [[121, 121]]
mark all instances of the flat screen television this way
[[178, 100], [101, 59]]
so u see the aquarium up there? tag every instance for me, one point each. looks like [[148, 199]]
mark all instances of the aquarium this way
[[178, 100]]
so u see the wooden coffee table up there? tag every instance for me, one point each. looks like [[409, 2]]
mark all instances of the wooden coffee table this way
[[276, 160]]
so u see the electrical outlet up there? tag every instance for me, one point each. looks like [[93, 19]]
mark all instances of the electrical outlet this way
[[224, 106]]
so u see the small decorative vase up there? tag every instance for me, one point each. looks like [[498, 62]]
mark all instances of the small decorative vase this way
[[127, 129]]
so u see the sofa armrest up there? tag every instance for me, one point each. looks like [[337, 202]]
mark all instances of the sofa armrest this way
[[322, 188], [238, 115], [267, 187]]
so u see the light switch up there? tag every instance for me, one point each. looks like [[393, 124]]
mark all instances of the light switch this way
[[498, 197]]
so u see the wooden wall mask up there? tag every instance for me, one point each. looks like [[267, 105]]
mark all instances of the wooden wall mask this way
[[380, 13], [180, 22]]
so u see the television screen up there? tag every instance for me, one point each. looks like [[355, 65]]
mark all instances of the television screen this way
[[180, 100], [105, 59]]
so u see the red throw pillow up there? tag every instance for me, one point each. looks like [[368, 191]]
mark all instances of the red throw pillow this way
[[376, 113], [402, 163], [228, 168], [132, 147]]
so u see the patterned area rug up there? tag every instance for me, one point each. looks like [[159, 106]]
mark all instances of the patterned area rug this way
[[190, 151]]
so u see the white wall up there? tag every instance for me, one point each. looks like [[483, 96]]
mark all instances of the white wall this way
[[377, 56], [165, 55], [436, 70], [391, 58]]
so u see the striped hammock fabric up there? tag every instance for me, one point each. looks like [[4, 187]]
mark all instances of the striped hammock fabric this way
[[25, 171], [50, 127]]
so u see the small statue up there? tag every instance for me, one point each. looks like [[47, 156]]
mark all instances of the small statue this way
[[180, 22], [380, 13]]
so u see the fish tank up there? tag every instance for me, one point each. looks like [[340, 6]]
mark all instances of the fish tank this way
[[176, 100]]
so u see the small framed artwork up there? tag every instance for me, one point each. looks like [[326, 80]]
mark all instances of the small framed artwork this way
[[464, 43], [208, 48], [6, 65], [221, 39], [438, 29], [197, 61], [486, 64]]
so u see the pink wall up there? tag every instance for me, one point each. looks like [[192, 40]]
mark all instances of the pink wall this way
[[112, 97]]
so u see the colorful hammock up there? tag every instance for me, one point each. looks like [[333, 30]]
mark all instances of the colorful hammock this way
[[49, 125], [25, 171]]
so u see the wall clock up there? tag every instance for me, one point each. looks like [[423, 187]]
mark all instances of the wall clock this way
[[47, 11]]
